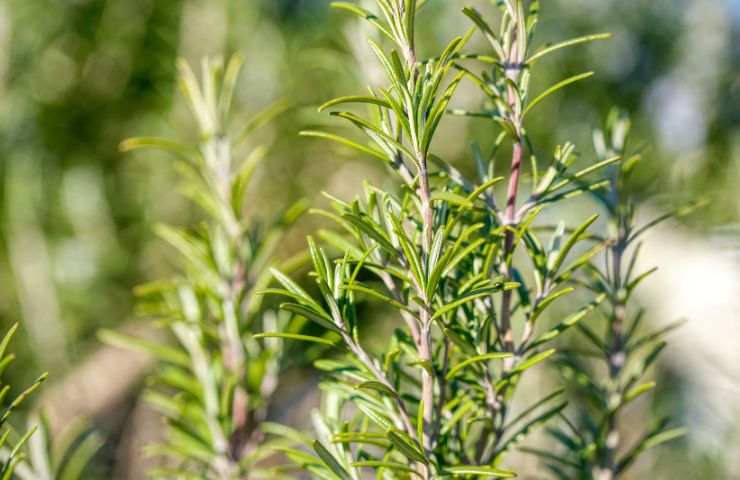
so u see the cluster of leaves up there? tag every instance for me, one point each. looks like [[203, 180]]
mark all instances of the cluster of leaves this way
[[11, 443], [624, 352], [469, 268], [35, 454], [468, 278], [63, 457], [215, 385]]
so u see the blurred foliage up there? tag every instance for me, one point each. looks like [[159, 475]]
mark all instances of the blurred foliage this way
[[78, 76], [66, 457], [215, 388], [12, 442]]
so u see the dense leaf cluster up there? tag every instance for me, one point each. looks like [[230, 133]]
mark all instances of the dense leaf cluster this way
[[469, 275], [468, 267], [477, 281]]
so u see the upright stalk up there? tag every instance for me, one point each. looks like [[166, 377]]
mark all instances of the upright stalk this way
[[515, 56], [607, 468], [628, 351], [212, 305], [217, 153], [427, 215], [425, 338], [510, 220]]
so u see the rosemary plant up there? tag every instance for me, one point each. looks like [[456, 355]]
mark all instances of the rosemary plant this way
[[63, 457], [596, 447], [12, 445], [466, 274], [215, 386]]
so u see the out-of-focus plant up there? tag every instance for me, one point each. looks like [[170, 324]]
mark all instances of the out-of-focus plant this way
[[469, 277], [215, 386], [596, 445], [12, 444], [66, 457]]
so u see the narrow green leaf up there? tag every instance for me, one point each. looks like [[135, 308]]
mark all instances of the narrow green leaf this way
[[137, 143], [355, 99], [652, 336], [477, 359], [489, 472], [532, 361], [469, 297], [665, 436], [376, 134], [163, 352], [319, 317], [649, 441], [230, 77], [634, 283], [297, 293], [80, 457], [262, 118], [482, 188], [407, 446], [568, 43], [346, 142], [452, 198], [367, 226], [461, 342], [548, 300], [330, 461], [295, 336], [574, 238], [376, 295], [362, 13], [486, 29], [7, 338], [378, 387], [379, 419], [516, 437], [22, 397], [566, 324], [290, 285], [377, 439], [558, 86], [535, 406], [638, 390], [395, 466]]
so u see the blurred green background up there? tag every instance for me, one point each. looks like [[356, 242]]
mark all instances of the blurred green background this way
[[78, 76]]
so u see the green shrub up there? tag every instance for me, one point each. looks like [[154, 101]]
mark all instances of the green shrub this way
[[469, 266], [461, 260]]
